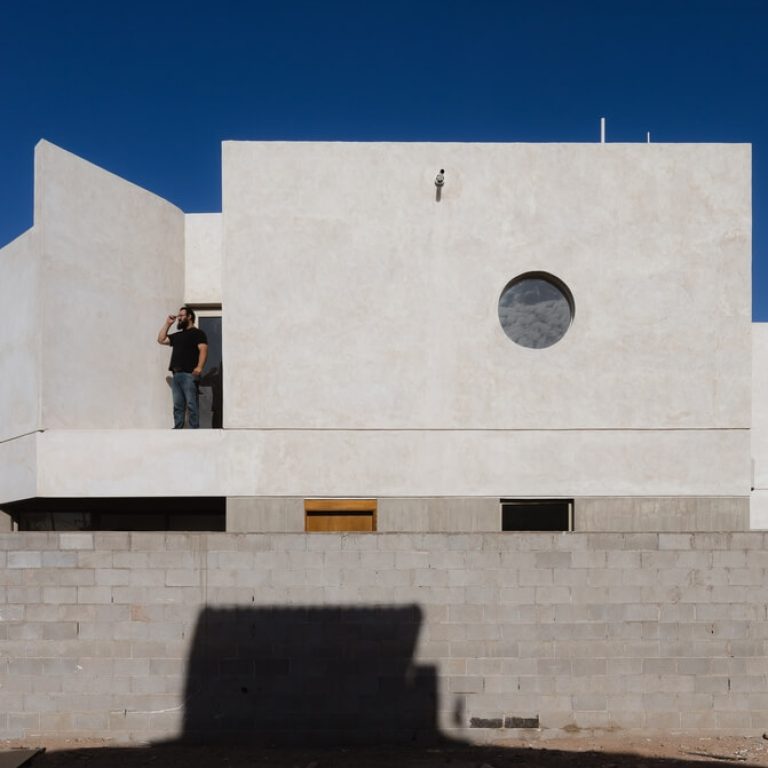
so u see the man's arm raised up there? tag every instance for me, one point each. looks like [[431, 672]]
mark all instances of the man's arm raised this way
[[162, 336]]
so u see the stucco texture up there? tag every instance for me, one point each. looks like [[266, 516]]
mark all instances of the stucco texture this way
[[20, 336], [354, 299], [113, 268]]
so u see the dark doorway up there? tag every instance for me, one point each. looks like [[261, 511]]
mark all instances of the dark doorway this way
[[211, 382]]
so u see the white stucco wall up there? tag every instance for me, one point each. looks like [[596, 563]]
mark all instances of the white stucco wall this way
[[113, 267], [203, 233], [363, 350], [20, 336], [371, 305], [759, 498], [18, 468], [392, 463]]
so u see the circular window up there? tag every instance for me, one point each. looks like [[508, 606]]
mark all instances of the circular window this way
[[535, 310]]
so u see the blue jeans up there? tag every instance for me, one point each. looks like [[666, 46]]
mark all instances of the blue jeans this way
[[185, 397]]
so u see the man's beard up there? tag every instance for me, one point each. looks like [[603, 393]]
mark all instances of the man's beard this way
[[182, 323]]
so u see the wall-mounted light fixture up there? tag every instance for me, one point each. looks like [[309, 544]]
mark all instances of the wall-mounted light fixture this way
[[439, 181]]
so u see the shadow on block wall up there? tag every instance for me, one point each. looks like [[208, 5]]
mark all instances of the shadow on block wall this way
[[329, 676]]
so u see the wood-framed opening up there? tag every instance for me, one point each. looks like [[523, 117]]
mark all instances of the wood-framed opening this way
[[340, 515]]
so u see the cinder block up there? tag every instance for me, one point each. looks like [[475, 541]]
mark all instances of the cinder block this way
[[746, 540], [624, 594], [623, 559], [182, 577], [712, 684], [10, 613], [128, 721], [147, 542], [477, 595], [746, 577], [286, 542], [59, 559], [23, 594], [27, 631], [58, 595], [111, 540], [489, 649], [675, 541], [757, 558], [56, 722], [109, 577], [465, 684], [359, 542], [151, 577], [24, 559], [23, 723], [97, 559], [589, 558], [465, 613], [536, 577], [76, 540], [94, 594], [711, 541], [178, 559], [698, 721], [62, 630], [77, 577], [552, 595], [536, 542], [569, 577], [97, 722], [552, 560], [641, 612], [729, 559], [129, 559]]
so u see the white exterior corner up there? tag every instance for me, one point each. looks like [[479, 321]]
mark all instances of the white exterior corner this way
[[364, 354]]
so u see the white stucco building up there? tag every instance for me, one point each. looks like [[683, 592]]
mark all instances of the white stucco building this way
[[365, 356]]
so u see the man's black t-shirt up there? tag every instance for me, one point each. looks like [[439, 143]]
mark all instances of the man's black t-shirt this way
[[185, 352]]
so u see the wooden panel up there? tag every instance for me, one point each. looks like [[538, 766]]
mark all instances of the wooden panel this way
[[339, 515], [339, 505], [339, 521]]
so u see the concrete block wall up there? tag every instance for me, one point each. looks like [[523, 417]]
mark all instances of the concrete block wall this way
[[482, 514], [128, 635]]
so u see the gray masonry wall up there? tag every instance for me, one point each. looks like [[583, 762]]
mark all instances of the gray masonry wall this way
[[482, 514], [141, 636]]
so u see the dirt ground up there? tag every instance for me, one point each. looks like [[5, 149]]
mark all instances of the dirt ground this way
[[608, 752]]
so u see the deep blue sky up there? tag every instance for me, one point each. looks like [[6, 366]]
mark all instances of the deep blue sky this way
[[148, 90]]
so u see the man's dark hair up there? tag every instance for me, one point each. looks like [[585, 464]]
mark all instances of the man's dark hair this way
[[190, 312]]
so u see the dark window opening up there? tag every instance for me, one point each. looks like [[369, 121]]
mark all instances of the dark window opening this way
[[211, 387], [536, 514], [119, 514]]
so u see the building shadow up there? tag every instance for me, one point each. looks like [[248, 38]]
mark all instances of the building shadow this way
[[339, 686], [325, 676]]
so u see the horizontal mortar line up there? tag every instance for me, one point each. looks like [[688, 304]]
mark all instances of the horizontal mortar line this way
[[387, 429], [479, 429], [18, 437]]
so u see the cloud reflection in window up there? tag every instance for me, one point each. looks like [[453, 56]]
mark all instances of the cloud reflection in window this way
[[535, 310]]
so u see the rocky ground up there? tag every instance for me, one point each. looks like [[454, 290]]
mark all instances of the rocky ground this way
[[581, 752]]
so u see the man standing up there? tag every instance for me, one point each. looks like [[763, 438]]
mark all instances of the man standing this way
[[190, 350]]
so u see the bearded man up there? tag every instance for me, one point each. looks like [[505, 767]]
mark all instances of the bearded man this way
[[190, 350]]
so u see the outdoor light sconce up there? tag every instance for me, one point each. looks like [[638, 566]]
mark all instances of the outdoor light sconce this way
[[439, 181]]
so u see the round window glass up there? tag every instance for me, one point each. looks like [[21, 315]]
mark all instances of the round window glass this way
[[535, 310]]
